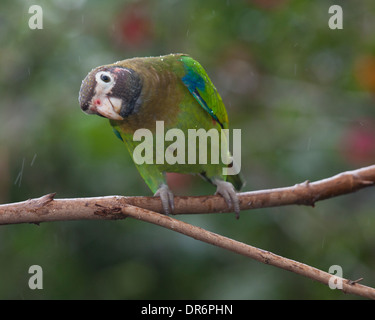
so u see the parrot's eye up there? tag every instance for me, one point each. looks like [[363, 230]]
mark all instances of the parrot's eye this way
[[105, 78]]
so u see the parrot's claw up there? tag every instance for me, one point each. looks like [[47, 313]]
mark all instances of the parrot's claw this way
[[166, 197], [226, 190]]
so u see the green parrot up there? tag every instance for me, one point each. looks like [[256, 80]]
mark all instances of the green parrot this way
[[176, 91]]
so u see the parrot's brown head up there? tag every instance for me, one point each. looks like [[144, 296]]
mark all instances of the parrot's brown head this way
[[111, 91]]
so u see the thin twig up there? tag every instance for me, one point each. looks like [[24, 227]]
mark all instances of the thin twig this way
[[348, 286]]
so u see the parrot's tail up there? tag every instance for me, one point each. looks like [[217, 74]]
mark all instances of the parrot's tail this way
[[237, 181]]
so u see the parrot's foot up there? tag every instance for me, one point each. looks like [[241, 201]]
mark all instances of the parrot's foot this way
[[166, 197], [226, 190]]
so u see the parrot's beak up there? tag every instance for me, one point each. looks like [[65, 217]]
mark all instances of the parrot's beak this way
[[109, 107]]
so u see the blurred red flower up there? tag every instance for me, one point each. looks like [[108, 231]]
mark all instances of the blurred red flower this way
[[179, 183], [358, 143], [134, 26]]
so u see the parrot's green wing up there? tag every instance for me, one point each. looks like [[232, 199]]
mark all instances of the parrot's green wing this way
[[203, 90]]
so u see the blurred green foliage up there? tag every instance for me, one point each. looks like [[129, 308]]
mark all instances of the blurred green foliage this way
[[301, 93]]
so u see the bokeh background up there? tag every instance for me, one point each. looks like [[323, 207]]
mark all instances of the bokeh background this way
[[302, 94]]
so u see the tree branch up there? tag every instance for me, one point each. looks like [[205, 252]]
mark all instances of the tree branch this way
[[307, 193], [46, 208]]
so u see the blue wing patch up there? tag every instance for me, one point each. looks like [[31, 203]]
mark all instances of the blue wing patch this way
[[117, 134], [194, 82]]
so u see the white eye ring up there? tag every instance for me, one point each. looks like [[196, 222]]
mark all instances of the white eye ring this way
[[104, 77]]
